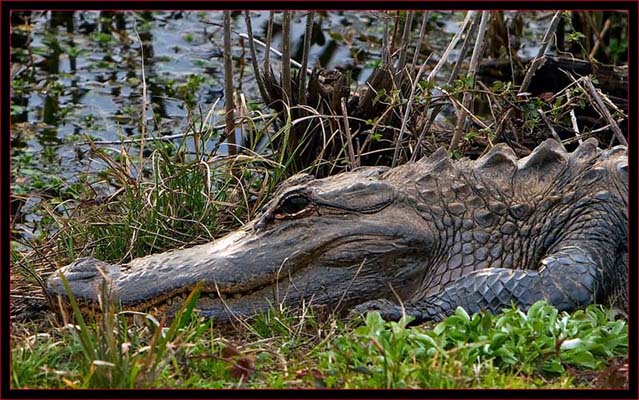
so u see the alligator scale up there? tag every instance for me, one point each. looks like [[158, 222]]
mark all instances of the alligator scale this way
[[423, 238]]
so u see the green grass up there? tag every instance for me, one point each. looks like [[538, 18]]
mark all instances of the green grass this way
[[542, 348]]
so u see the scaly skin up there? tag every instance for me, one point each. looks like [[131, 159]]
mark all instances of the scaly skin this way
[[436, 234]]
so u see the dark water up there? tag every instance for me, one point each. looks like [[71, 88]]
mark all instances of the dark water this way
[[77, 73]]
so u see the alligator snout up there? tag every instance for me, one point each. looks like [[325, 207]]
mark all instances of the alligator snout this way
[[86, 277]]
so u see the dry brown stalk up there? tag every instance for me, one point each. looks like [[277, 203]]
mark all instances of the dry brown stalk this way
[[228, 86], [256, 67], [286, 58], [604, 112], [420, 40], [305, 53], [472, 72], [552, 130], [537, 62], [406, 38], [349, 138]]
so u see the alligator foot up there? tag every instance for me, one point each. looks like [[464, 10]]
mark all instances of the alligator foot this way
[[85, 277], [388, 310]]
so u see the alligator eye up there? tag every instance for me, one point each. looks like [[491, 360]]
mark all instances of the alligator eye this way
[[293, 204]]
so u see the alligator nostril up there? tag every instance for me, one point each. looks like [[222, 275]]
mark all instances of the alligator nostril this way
[[263, 221]]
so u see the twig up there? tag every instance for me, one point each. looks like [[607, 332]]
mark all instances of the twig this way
[[603, 110], [472, 71], [464, 49], [349, 138], [607, 100], [229, 103], [584, 135], [573, 118], [305, 53], [405, 40], [501, 122], [273, 50], [267, 45], [286, 58], [535, 64], [256, 67], [459, 106], [385, 48], [348, 288], [451, 46], [552, 130], [407, 112], [600, 38], [166, 138], [576, 82], [432, 114], [572, 111], [391, 51], [143, 116], [510, 55], [418, 46]]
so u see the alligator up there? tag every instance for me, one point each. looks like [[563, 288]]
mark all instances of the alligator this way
[[419, 239]]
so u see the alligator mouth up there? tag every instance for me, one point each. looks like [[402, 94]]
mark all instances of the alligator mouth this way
[[207, 295], [224, 306]]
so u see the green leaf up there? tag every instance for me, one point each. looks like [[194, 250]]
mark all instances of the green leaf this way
[[581, 358]]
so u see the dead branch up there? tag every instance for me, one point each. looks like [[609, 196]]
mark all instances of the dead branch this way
[[420, 40], [552, 130], [406, 38], [305, 53], [600, 38], [451, 45], [349, 138], [603, 111], [269, 37], [385, 47], [286, 58], [407, 112], [256, 67]]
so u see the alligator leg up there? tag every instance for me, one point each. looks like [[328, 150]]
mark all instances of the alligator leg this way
[[568, 279]]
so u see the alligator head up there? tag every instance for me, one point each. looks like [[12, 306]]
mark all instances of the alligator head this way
[[330, 242]]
